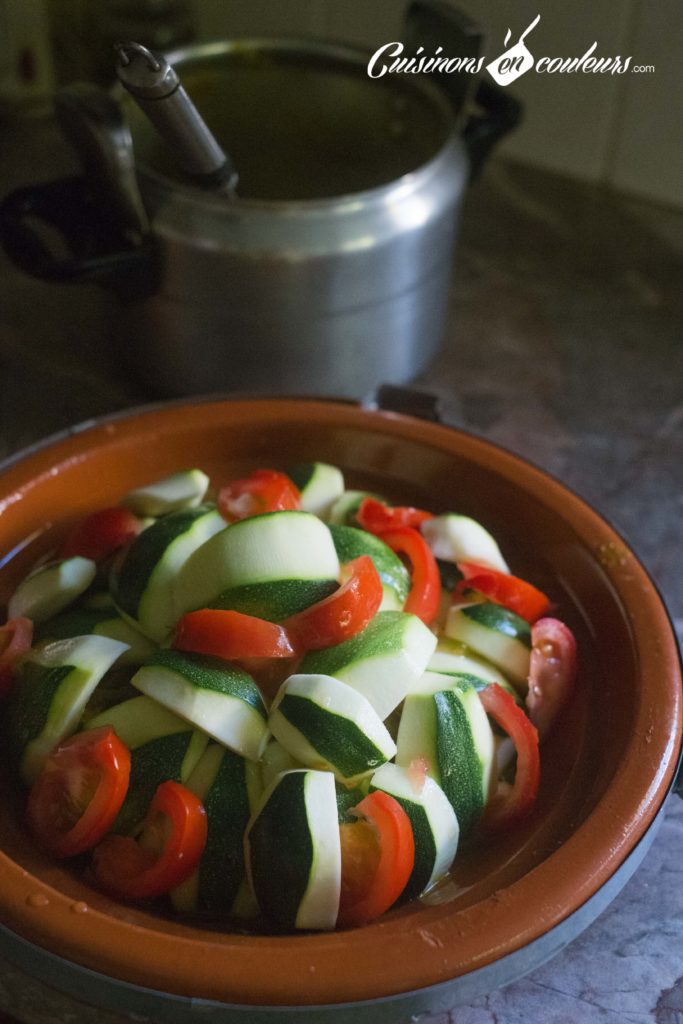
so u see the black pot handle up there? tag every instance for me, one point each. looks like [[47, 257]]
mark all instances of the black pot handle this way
[[434, 23], [90, 247]]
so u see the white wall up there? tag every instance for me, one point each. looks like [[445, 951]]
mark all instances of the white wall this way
[[624, 129]]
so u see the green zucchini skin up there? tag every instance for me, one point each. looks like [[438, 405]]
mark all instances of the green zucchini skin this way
[[142, 585], [52, 690], [351, 543], [212, 694], [381, 662], [435, 826], [297, 817], [326, 724], [444, 723], [495, 633], [274, 601]]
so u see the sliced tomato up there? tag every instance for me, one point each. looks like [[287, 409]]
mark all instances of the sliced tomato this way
[[510, 804], [232, 635], [424, 597], [375, 516], [552, 672], [166, 852], [16, 637], [101, 533], [344, 613], [513, 593], [376, 861], [74, 801], [265, 490]]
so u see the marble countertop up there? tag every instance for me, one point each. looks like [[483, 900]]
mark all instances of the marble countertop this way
[[564, 345]]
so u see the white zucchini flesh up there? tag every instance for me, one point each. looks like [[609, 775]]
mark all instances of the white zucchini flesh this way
[[51, 588], [139, 720], [212, 695], [78, 665], [324, 723], [320, 484], [260, 549], [435, 826], [142, 585], [444, 723], [297, 816], [455, 538], [184, 489], [496, 634], [382, 662]]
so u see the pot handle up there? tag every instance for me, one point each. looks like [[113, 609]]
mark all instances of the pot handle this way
[[407, 402], [434, 23], [91, 248]]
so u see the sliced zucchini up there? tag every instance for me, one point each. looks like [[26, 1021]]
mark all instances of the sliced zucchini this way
[[445, 724], [277, 600], [210, 693], [326, 724], [495, 633], [453, 659], [343, 510], [319, 486], [297, 816], [261, 549], [162, 746], [350, 543], [184, 489], [142, 585], [276, 759], [229, 787], [435, 826], [455, 538], [51, 588], [381, 662], [102, 621], [55, 683]]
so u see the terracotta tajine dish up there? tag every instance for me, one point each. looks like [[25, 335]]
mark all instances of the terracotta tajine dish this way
[[511, 904]]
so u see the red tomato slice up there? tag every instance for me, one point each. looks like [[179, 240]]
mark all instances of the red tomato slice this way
[[264, 491], [374, 516], [502, 588], [167, 852], [385, 864], [231, 635], [552, 672], [75, 799], [344, 613], [510, 804], [16, 637], [424, 597], [100, 534]]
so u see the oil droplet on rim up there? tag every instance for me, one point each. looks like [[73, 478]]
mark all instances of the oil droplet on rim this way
[[37, 899], [80, 907]]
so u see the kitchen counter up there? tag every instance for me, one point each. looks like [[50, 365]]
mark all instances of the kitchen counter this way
[[563, 344]]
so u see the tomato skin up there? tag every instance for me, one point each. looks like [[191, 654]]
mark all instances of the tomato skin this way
[[343, 613], [101, 533], [265, 490], [16, 637], [424, 597], [75, 799], [511, 804], [513, 593], [171, 844], [394, 866], [552, 673], [232, 635], [375, 517]]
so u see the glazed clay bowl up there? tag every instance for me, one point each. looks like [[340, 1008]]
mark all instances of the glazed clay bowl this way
[[510, 904]]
